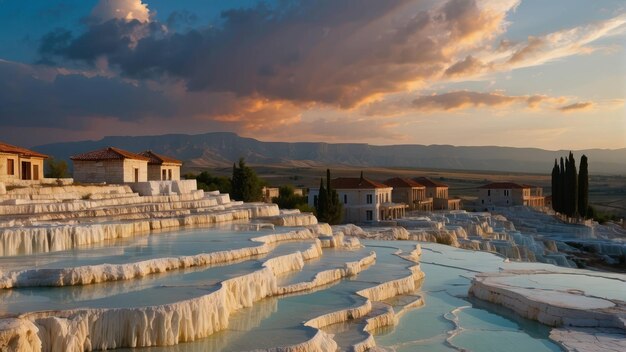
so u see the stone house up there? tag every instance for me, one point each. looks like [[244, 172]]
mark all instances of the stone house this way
[[110, 165], [503, 194], [438, 191], [161, 167], [364, 201], [17, 163], [411, 193]]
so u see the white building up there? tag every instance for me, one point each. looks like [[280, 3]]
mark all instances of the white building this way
[[110, 165], [363, 200]]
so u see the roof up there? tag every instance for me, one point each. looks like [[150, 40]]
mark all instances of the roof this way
[[109, 153], [504, 185], [355, 183], [159, 159], [428, 182], [11, 149], [398, 182]]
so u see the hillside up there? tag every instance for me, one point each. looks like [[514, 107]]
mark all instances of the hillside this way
[[222, 149]]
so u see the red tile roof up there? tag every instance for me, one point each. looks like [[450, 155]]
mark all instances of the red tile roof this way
[[504, 185], [355, 183], [159, 159], [398, 182], [11, 149], [110, 153], [428, 182]]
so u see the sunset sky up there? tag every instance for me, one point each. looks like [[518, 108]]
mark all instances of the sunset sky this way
[[526, 73]]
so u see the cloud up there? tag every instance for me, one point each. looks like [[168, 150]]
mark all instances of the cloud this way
[[338, 53], [120, 9], [466, 67], [35, 96], [576, 107], [460, 100]]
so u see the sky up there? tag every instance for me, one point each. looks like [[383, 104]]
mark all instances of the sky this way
[[521, 73]]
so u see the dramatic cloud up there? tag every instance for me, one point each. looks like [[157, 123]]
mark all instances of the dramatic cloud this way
[[333, 52]]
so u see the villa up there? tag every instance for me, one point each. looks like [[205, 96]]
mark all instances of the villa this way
[[363, 200], [17, 163], [411, 193], [439, 192], [510, 194]]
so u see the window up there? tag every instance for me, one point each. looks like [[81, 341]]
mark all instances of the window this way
[[345, 199], [369, 215], [488, 192], [482, 201], [169, 174], [369, 199], [10, 167], [163, 174]]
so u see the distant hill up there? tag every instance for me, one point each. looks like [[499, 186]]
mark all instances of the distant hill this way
[[222, 149]]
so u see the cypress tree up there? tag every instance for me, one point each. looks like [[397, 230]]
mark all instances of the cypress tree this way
[[246, 186], [562, 186], [555, 186], [573, 186], [328, 209], [321, 206], [583, 187]]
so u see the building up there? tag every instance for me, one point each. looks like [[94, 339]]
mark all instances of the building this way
[[269, 193], [110, 165], [363, 200], [161, 167], [411, 193], [17, 163], [439, 193], [504, 194]]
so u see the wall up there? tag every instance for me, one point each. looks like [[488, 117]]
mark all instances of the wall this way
[[129, 170], [356, 207], [155, 172], [3, 167], [17, 167]]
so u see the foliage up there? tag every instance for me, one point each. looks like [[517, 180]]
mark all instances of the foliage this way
[[600, 216], [328, 208], [246, 185], [287, 199], [570, 191], [56, 168], [206, 182]]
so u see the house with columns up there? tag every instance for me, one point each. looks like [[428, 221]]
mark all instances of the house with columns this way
[[439, 192]]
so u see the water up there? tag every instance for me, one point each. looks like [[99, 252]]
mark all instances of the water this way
[[448, 321]]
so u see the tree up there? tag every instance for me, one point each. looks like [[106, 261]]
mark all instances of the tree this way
[[287, 199], [556, 178], [206, 182], [583, 187], [246, 185], [328, 208], [562, 186], [56, 168], [572, 187]]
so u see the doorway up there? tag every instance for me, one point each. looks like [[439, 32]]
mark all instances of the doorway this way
[[136, 175], [26, 175]]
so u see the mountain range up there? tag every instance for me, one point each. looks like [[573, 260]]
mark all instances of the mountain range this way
[[219, 149]]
